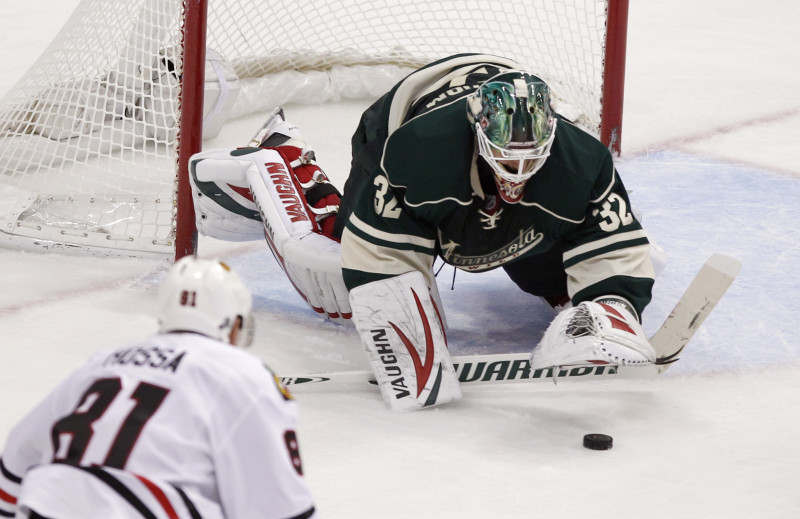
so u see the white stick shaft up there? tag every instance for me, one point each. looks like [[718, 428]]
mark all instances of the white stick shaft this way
[[703, 294]]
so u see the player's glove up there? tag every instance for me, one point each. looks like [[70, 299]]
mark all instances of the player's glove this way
[[603, 331]]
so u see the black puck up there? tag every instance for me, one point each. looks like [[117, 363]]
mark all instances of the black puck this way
[[598, 442]]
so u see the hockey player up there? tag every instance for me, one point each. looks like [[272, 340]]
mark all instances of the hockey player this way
[[466, 160], [181, 425]]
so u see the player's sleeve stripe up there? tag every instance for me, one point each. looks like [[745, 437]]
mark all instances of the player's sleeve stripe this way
[[160, 496], [362, 255], [613, 242], [602, 267], [387, 239], [188, 502], [391, 245], [305, 515], [8, 474], [121, 489], [8, 500]]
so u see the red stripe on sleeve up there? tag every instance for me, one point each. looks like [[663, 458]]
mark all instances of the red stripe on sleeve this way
[[8, 498], [160, 496]]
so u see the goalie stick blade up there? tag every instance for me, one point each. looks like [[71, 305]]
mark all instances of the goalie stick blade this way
[[700, 298], [496, 368]]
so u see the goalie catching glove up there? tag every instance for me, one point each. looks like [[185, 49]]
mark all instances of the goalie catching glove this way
[[603, 331], [274, 190], [402, 332]]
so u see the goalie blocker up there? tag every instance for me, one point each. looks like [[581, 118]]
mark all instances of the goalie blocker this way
[[276, 192]]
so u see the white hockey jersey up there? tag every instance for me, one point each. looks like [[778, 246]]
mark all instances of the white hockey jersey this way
[[181, 425]]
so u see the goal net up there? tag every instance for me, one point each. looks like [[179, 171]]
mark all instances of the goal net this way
[[92, 137]]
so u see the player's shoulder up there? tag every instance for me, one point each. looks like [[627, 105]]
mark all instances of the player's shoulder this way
[[188, 356], [226, 369], [573, 140], [430, 156], [579, 155], [434, 85], [214, 355], [578, 166]]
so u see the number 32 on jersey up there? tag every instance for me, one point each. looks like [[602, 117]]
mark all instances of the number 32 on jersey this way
[[614, 212], [385, 202]]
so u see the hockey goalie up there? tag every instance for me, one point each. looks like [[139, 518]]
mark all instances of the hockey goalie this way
[[465, 160]]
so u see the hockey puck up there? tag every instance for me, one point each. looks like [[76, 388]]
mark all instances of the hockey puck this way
[[598, 442]]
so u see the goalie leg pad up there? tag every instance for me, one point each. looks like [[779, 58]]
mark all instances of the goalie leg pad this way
[[282, 195], [401, 330], [313, 265], [311, 259], [223, 206]]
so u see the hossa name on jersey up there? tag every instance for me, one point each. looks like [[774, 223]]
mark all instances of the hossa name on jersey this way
[[167, 359]]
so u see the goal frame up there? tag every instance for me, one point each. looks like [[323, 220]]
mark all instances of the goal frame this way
[[96, 138], [614, 78], [190, 138]]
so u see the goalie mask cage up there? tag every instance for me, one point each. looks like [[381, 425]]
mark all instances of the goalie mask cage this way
[[95, 138]]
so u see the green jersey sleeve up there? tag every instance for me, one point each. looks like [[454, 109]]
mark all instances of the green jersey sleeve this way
[[609, 253], [383, 239]]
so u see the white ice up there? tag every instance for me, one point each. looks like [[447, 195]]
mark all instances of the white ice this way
[[712, 121]]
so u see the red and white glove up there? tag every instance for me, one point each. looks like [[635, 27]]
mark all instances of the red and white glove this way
[[603, 331]]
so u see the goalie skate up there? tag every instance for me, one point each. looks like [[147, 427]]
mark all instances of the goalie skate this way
[[274, 120]]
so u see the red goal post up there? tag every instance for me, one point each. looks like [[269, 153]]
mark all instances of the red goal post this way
[[614, 77], [95, 138]]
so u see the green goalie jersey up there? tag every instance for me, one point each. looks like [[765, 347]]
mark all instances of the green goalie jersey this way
[[418, 189]]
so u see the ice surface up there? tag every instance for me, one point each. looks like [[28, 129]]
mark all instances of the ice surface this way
[[710, 154]]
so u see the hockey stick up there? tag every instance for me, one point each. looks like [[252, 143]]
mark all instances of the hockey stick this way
[[495, 368], [700, 298], [696, 303]]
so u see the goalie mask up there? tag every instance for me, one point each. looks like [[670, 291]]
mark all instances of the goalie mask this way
[[515, 127], [206, 297]]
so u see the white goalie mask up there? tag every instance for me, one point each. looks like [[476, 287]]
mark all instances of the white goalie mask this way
[[514, 126], [205, 296]]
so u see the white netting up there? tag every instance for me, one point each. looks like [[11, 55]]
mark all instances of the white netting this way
[[88, 136]]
